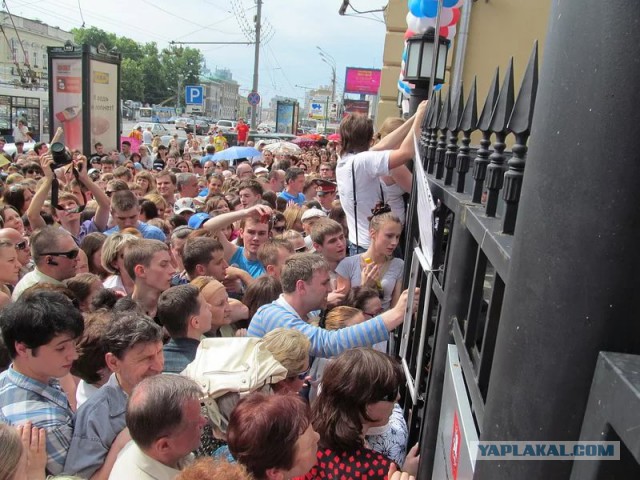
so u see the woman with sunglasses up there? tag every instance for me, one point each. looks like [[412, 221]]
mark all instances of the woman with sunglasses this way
[[358, 392], [291, 348], [9, 270], [67, 210]]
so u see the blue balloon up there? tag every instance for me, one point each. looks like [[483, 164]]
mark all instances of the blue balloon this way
[[404, 55], [415, 7], [429, 8], [449, 3]]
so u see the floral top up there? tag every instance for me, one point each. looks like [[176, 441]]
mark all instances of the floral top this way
[[392, 440]]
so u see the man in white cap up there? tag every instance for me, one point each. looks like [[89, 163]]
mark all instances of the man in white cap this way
[[309, 219], [184, 207]]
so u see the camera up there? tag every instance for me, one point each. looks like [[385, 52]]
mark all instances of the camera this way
[[61, 156]]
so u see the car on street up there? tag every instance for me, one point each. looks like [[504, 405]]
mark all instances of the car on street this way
[[181, 122], [199, 126], [226, 126]]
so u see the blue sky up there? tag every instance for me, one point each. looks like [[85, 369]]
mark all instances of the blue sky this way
[[289, 58]]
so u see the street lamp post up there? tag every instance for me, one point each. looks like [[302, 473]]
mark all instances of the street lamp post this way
[[329, 60]]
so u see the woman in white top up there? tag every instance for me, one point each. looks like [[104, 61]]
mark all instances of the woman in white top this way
[[113, 262], [376, 267]]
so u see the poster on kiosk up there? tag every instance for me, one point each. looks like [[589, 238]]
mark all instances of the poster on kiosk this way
[[84, 94], [67, 100]]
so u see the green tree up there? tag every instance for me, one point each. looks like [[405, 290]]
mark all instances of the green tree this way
[[131, 80], [154, 75], [94, 36], [146, 73], [129, 48], [182, 66]]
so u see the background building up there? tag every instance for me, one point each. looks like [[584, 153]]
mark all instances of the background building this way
[[23, 50], [221, 95]]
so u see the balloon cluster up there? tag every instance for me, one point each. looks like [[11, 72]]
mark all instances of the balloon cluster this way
[[422, 17]]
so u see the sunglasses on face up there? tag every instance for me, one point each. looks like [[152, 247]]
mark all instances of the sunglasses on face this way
[[22, 245], [301, 249], [71, 254], [76, 209], [279, 229]]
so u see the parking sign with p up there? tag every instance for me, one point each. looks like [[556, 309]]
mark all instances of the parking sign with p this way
[[194, 95]]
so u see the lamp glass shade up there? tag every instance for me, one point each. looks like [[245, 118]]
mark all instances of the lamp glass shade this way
[[413, 59], [427, 58], [442, 63]]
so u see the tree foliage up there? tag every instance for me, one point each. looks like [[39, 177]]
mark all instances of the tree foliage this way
[[147, 74]]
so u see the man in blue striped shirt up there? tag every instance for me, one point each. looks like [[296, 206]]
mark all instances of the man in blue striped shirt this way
[[306, 284], [40, 331]]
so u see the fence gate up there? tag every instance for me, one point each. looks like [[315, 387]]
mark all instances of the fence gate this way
[[529, 280]]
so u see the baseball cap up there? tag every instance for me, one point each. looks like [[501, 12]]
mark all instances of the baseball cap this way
[[94, 173], [260, 170], [313, 213], [184, 205], [198, 219], [158, 165]]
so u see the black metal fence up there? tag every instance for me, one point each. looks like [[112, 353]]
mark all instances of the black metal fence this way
[[481, 209], [531, 292]]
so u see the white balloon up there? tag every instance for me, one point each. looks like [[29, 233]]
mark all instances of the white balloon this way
[[446, 17], [419, 24], [424, 23], [452, 32]]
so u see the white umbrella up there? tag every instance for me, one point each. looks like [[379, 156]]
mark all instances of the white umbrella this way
[[286, 148]]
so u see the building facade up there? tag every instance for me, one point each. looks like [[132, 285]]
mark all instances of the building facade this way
[[23, 51], [221, 95]]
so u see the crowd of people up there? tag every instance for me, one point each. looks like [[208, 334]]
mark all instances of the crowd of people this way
[[167, 315]]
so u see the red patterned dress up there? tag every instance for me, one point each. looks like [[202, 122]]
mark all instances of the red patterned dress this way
[[362, 464]]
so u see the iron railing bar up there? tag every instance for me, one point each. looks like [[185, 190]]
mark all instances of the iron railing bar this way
[[477, 403], [485, 230], [490, 333], [476, 357], [436, 288], [473, 313]]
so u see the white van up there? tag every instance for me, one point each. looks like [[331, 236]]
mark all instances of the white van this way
[[226, 126]]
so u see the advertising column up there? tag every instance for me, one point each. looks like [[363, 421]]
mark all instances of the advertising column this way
[[103, 103], [67, 99]]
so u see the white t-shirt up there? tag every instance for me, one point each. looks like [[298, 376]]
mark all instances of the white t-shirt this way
[[147, 137], [351, 268], [368, 167], [393, 196]]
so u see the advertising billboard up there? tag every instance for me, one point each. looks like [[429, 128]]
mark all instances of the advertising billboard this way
[[317, 108], [356, 106], [365, 81], [103, 103], [67, 100], [286, 117]]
